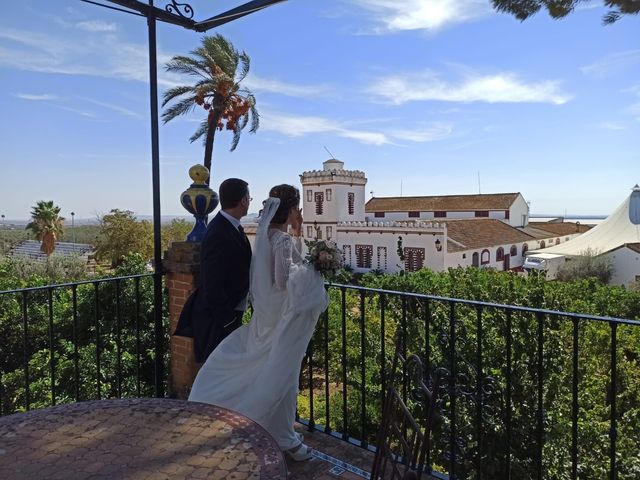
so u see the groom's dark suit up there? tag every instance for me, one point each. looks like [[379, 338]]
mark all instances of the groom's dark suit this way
[[222, 286]]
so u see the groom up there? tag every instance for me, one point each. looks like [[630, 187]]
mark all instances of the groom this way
[[215, 309]]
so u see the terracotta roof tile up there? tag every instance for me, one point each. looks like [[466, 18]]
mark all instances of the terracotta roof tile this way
[[480, 233], [564, 228], [633, 246], [491, 201]]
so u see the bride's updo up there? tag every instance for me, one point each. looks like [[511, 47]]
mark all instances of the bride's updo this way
[[289, 198]]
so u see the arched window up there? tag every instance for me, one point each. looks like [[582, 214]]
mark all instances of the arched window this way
[[514, 251], [500, 254], [542, 244], [525, 249], [475, 260], [485, 257]]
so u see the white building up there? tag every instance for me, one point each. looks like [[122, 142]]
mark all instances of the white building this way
[[438, 232]]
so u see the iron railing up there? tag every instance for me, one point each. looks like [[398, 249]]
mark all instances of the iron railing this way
[[523, 396], [80, 341]]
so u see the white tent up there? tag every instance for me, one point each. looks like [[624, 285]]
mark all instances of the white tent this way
[[622, 226]]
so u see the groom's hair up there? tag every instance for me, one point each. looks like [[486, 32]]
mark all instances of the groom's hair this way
[[289, 197], [232, 191]]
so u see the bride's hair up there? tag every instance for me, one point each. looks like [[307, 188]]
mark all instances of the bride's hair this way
[[289, 198]]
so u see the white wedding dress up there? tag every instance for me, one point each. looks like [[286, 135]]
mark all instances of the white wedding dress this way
[[255, 370]]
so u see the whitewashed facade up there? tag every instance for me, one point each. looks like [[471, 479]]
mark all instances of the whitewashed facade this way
[[625, 261]]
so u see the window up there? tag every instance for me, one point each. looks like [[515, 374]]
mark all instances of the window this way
[[482, 213], [485, 257], [475, 259], [309, 196], [440, 214], [329, 233], [318, 234], [382, 258], [525, 248], [514, 251], [413, 259], [506, 214], [309, 231], [542, 244], [414, 214], [319, 202], [363, 256], [379, 214], [500, 254], [346, 254], [351, 200], [328, 193], [557, 241]]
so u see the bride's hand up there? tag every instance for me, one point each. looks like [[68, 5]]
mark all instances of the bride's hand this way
[[296, 224]]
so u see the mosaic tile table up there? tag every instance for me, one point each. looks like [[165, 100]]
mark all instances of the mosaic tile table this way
[[148, 438]]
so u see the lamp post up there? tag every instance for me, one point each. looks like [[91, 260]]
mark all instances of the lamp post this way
[[3, 235], [73, 231]]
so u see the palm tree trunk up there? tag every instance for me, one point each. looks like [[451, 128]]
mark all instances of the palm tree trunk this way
[[208, 146]]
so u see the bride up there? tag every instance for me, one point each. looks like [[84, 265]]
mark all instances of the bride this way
[[255, 370]]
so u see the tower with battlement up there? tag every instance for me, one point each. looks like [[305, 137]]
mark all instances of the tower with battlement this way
[[329, 196]]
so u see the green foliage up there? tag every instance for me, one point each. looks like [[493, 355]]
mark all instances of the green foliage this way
[[361, 331], [588, 265], [121, 234], [523, 9], [176, 231], [95, 337], [30, 272], [46, 224]]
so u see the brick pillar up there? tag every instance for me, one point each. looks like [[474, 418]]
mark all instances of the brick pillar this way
[[182, 265]]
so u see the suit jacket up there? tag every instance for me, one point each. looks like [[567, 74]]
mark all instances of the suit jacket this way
[[209, 314]]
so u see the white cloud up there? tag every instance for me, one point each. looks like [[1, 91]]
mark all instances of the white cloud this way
[[297, 126], [429, 133], [35, 97], [496, 88], [612, 64], [111, 106], [95, 54], [259, 84], [431, 15], [96, 26], [611, 126]]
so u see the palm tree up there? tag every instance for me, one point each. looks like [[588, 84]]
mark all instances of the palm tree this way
[[46, 224], [218, 68]]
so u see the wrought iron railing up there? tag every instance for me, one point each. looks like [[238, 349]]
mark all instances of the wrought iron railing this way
[[80, 341], [529, 393]]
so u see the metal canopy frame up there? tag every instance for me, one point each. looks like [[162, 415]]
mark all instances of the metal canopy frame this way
[[180, 14]]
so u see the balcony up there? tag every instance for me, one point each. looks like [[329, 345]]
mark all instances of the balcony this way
[[527, 393]]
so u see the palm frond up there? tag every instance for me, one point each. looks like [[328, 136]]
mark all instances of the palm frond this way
[[183, 107], [176, 92], [202, 130], [187, 65], [245, 64]]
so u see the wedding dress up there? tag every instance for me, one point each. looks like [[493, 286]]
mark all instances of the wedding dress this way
[[255, 370]]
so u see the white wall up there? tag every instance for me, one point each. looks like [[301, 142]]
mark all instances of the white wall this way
[[518, 212], [384, 237], [626, 266]]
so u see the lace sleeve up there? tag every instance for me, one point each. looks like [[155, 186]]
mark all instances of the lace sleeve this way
[[296, 251], [283, 258]]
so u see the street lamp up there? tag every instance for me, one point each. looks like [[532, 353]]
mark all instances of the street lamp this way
[[3, 239], [438, 245], [73, 230]]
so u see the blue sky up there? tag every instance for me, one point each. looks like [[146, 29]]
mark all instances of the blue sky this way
[[423, 94]]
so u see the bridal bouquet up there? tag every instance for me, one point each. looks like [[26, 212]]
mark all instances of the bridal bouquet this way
[[325, 256]]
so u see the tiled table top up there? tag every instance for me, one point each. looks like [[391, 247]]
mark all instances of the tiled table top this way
[[149, 438]]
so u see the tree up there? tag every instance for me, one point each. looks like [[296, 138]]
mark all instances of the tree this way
[[590, 264], [46, 224], [121, 234], [218, 69], [523, 9], [176, 231]]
